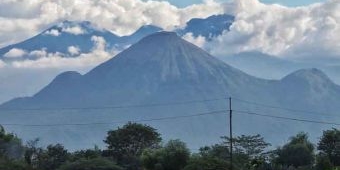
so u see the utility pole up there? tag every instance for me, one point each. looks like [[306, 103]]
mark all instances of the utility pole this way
[[231, 134]]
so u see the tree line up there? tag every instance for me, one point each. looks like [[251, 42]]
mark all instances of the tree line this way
[[140, 147]]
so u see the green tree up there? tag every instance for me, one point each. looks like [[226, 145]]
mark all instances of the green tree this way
[[248, 150], [10, 164], [329, 145], [87, 154], [52, 158], [323, 162], [252, 146], [214, 157], [126, 144], [207, 163], [173, 156], [10, 145], [90, 164], [31, 153], [298, 152]]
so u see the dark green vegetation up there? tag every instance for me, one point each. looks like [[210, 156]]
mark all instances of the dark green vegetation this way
[[140, 147]]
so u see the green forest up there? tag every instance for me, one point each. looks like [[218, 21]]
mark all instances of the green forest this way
[[140, 147]]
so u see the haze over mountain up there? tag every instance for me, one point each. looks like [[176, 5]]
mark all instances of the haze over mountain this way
[[163, 68]]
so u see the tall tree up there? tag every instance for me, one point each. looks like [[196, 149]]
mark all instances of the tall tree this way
[[10, 145], [52, 158], [330, 145], [298, 152], [252, 146], [173, 156], [126, 144]]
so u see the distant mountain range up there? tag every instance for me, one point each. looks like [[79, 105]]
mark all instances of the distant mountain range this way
[[66, 35], [59, 39], [271, 67], [163, 68]]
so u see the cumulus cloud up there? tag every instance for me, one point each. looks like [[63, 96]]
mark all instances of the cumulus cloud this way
[[22, 19], [52, 32], [198, 41], [76, 30], [73, 50], [15, 53], [298, 32]]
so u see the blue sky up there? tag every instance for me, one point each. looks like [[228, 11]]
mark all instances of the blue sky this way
[[182, 3]]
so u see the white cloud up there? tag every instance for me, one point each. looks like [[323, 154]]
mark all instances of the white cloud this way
[[298, 32], [76, 30], [15, 53], [20, 20], [73, 50], [99, 43], [38, 53], [52, 32], [198, 41]]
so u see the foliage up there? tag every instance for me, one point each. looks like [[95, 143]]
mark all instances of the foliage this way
[[207, 163], [323, 163], [10, 145], [90, 164], [252, 146], [52, 158], [298, 152], [210, 157], [126, 144], [9, 164], [86, 154], [329, 145], [173, 156]]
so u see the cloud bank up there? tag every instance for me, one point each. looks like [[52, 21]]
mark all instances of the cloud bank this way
[[289, 32]]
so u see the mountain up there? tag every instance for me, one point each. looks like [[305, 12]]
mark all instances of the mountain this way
[[59, 39], [163, 68], [271, 67], [210, 27]]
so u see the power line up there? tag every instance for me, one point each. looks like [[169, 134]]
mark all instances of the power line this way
[[111, 107], [287, 109], [117, 122], [286, 118]]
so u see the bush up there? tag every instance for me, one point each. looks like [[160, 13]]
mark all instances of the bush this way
[[90, 164]]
